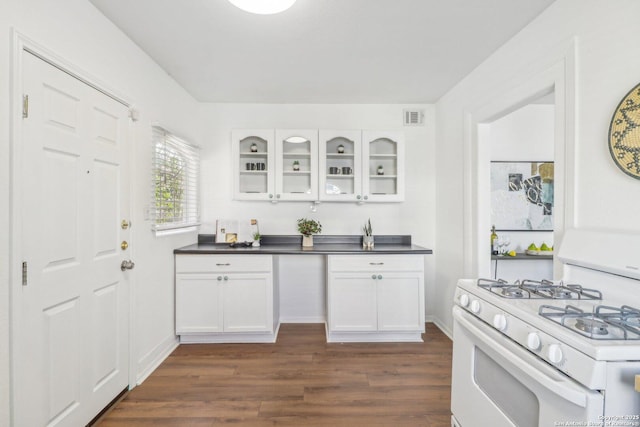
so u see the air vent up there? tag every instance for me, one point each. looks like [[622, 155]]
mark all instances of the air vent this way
[[413, 117]]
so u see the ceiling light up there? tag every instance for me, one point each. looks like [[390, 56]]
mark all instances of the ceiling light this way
[[263, 7]]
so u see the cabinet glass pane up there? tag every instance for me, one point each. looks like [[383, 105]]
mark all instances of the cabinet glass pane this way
[[253, 160], [296, 161], [340, 161], [383, 167]]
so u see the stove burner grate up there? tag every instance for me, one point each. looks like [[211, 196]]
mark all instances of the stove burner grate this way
[[543, 289], [604, 323]]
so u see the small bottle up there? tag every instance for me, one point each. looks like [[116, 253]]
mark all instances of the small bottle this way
[[494, 241]]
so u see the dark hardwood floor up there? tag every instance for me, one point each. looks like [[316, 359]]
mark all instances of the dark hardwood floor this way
[[299, 381]]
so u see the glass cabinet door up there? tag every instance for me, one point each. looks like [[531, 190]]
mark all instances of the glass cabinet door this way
[[253, 154], [310, 165], [383, 164], [296, 164], [340, 165]]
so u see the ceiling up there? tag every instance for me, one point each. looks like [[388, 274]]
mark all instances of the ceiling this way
[[321, 51]]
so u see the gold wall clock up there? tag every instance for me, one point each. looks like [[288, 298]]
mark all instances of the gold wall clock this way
[[624, 134]]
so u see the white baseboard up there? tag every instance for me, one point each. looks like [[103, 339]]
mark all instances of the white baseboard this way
[[442, 327], [317, 319], [150, 361], [227, 338]]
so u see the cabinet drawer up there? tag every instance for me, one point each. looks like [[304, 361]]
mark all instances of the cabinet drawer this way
[[223, 263], [376, 263]]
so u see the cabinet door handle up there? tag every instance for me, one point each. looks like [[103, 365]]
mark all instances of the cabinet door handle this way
[[226, 264], [226, 278], [373, 276], [219, 278], [376, 263], [379, 276]]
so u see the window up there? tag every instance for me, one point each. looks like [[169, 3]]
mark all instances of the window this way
[[175, 182]]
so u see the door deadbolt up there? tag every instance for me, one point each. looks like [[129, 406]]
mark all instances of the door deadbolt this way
[[125, 224], [124, 245]]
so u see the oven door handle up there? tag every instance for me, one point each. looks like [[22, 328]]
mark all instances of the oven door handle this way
[[564, 388]]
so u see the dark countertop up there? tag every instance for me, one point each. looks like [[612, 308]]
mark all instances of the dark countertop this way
[[323, 245]]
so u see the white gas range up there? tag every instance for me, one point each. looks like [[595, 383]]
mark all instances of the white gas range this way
[[553, 353]]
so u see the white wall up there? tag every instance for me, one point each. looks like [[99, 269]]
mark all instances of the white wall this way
[[525, 134], [75, 31], [607, 68], [415, 216]]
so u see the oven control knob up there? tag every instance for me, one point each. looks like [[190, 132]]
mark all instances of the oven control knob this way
[[464, 300], [555, 353], [500, 322], [533, 341], [475, 306]]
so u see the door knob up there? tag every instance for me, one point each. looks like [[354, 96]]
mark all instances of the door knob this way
[[124, 245], [127, 265]]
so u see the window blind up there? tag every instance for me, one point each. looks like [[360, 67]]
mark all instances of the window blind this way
[[175, 182]]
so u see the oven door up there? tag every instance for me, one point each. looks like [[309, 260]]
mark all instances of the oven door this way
[[496, 382]]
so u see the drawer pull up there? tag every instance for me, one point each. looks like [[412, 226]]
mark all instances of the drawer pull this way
[[376, 263], [226, 264]]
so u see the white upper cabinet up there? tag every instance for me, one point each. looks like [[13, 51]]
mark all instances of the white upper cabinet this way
[[383, 164], [361, 166], [340, 165], [327, 165], [254, 164], [296, 165]]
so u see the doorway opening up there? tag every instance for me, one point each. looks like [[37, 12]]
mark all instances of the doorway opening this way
[[520, 190], [552, 89]]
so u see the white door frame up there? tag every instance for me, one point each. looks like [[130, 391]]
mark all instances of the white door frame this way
[[559, 77], [19, 44]]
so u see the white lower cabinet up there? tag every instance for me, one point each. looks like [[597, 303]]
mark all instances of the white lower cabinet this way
[[225, 298], [234, 298], [375, 298], [400, 299], [248, 303], [352, 303], [198, 304]]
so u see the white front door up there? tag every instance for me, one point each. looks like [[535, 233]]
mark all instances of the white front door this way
[[72, 310]]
